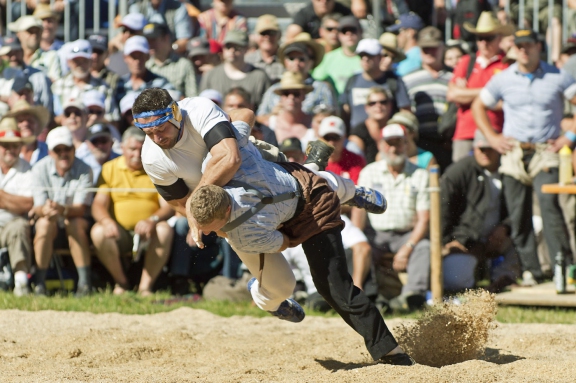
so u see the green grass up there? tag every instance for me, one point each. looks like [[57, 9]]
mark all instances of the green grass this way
[[132, 303]]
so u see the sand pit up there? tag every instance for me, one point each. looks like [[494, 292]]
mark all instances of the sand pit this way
[[188, 345]]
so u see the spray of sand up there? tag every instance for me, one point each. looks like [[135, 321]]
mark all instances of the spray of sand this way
[[451, 333]]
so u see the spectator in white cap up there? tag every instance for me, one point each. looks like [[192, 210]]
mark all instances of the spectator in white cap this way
[[75, 118], [97, 149], [60, 205], [136, 54], [166, 63], [28, 29], [50, 19], [403, 231], [126, 111], [342, 161], [80, 80], [358, 86], [174, 14], [131, 25], [213, 95]]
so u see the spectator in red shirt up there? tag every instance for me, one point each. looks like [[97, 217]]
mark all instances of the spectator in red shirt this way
[[342, 161], [489, 61]]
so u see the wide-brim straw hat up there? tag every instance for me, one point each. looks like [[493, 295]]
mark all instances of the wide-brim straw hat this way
[[389, 41], [488, 24], [9, 132], [22, 107], [305, 38], [292, 81]]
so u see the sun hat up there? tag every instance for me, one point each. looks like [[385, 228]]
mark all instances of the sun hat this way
[[389, 41], [291, 80], [306, 39], [20, 107], [488, 24], [9, 132]]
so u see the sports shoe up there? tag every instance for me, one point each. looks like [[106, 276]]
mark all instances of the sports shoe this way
[[40, 290], [83, 291], [402, 359], [368, 199], [289, 310], [318, 152], [21, 290]]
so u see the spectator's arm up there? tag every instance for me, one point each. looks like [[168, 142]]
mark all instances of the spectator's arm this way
[[165, 211], [421, 227], [358, 141], [100, 207], [15, 204], [479, 111], [571, 4], [358, 218], [292, 31], [361, 261], [461, 94]]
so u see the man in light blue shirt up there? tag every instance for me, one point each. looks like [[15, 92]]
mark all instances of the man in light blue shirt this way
[[532, 93], [407, 27]]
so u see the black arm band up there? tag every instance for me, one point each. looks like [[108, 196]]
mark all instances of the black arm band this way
[[177, 190], [219, 132]]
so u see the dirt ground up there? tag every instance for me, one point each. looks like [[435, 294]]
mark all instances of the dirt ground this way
[[189, 345]]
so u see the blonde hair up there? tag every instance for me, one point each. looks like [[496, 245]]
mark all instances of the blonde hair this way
[[379, 90], [208, 203]]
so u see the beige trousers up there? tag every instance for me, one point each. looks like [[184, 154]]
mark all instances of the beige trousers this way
[[15, 236]]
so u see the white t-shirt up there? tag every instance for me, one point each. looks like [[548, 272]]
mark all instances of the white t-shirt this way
[[18, 181], [184, 160]]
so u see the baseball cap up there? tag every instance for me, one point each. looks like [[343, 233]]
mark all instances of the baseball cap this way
[[24, 23], [98, 130], [480, 140], [134, 21], [525, 36], [393, 131], [10, 44], [94, 98], [237, 37], [73, 102], [136, 44], [430, 37], [153, 30], [98, 42], [407, 20], [332, 125], [369, 46], [198, 46], [405, 119], [21, 83], [79, 48], [291, 144], [297, 47], [212, 94], [128, 101], [349, 21], [59, 136], [266, 23]]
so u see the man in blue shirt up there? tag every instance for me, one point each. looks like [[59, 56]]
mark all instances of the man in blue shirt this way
[[407, 27], [533, 93]]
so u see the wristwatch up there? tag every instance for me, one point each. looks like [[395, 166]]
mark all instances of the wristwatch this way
[[175, 46], [410, 244], [154, 218]]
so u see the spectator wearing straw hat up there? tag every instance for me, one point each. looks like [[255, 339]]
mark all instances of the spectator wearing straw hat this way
[[80, 80], [463, 89], [119, 216], [267, 36], [353, 99], [338, 65], [173, 13], [50, 20], [407, 27], [308, 19], [31, 122], [290, 121], [418, 156], [166, 63], [12, 52], [28, 29], [131, 25], [61, 203], [234, 71], [16, 202], [301, 56], [136, 54], [403, 230], [391, 54]]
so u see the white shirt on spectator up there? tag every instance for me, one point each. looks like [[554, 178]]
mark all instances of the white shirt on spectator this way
[[18, 181]]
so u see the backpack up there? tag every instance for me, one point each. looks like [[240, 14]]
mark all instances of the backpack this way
[[468, 11], [447, 121]]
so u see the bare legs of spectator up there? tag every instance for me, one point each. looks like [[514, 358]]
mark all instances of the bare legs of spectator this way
[[109, 254], [156, 257]]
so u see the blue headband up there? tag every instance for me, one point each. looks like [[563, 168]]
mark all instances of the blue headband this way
[[167, 113]]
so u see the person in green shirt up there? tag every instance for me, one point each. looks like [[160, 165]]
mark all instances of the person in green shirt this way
[[341, 63]]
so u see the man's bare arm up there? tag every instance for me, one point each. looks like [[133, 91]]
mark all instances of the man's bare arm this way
[[461, 95], [15, 204]]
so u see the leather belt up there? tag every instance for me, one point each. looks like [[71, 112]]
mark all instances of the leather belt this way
[[527, 146]]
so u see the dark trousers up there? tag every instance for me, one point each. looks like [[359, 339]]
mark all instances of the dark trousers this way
[[519, 203], [327, 260]]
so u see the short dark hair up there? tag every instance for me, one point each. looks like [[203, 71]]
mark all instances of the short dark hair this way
[[239, 91], [151, 99]]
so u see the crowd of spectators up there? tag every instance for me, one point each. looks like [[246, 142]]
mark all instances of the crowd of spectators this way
[[71, 174]]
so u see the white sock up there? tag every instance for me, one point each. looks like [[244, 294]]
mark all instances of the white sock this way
[[344, 187], [20, 278], [312, 166]]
